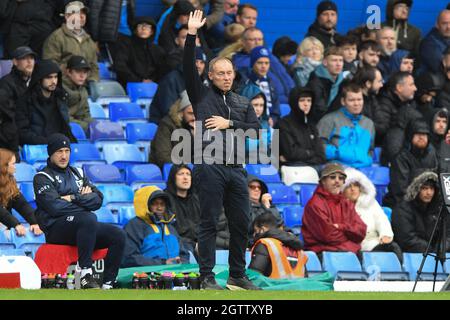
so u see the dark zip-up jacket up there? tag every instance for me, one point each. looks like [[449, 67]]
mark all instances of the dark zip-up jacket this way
[[51, 183], [22, 207], [210, 101]]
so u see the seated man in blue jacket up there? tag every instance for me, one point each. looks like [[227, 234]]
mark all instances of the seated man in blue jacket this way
[[151, 236], [348, 136], [65, 200]]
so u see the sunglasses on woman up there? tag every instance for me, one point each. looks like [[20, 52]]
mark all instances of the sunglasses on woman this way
[[337, 176]]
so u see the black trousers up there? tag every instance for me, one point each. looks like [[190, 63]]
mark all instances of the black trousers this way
[[222, 186], [84, 231]]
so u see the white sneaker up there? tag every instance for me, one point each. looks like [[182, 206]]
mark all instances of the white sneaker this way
[[107, 285]]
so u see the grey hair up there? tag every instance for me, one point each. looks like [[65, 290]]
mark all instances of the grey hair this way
[[217, 59]]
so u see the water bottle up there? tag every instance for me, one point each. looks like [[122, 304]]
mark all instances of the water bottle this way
[[44, 281], [135, 281], [71, 281]]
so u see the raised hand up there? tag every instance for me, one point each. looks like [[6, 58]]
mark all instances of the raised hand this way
[[195, 21]]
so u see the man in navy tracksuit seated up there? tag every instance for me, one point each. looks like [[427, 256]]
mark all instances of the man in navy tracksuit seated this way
[[222, 182], [65, 200]]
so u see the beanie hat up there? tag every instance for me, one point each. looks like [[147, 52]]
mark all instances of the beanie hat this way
[[200, 54], [182, 7], [326, 5], [258, 52], [184, 103], [331, 168], [57, 141]]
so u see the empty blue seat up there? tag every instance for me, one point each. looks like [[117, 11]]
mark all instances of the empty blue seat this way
[[27, 190], [284, 109], [105, 92], [141, 92], [104, 72], [35, 154], [306, 192], [376, 155], [119, 194], [97, 112], [12, 252], [343, 265], [222, 257], [18, 216], [85, 153], [136, 132], [24, 172], [105, 215], [105, 132], [293, 216], [282, 194], [126, 112], [313, 265], [103, 173], [162, 185], [126, 213], [5, 243], [383, 266], [5, 67], [265, 172], [411, 264], [142, 173], [121, 155], [378, 175], [388, 212], [78, 132], [29, 242]]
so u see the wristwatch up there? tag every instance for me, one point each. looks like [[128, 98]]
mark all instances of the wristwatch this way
[[72, 197], [231, 123]]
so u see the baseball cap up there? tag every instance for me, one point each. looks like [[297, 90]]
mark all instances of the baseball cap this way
[[78, 63], [22, 52], [75, 7]]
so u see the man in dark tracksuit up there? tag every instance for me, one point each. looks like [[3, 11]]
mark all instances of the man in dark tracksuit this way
[[65, 200], [222, 184]]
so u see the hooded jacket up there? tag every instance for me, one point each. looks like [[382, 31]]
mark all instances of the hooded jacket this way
[[77, 101], [348, 138], [426, 83], [438, 141], [324, 210], [137, 59], [325, 89], [51, 183], [299, 138], [161, 146], [369, 210], [38, 117], [432, 50], [328, 39], [104, 18], [150, 240], [408, 163], [408, 36], [413, 220], [443, 98], [187, 210]]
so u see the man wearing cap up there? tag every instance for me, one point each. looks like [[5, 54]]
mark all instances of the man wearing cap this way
[[330, 221], [138, 59], [72, 39], [13, 86], [181, 116], [65, 201], [324, 28], [43, 109], [74, 83]]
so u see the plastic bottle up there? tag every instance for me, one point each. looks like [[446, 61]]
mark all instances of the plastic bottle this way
[[135, 281], [51, 281], [70, 284], [44, 281], [144, 281]]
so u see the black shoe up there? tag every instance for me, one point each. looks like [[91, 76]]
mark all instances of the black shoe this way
[[243, 283], [209, 283], [88, 282]]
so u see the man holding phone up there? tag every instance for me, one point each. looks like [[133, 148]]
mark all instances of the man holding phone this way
[[65, 200]]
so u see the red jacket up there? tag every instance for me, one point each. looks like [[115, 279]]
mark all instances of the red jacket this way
[[322, 211]]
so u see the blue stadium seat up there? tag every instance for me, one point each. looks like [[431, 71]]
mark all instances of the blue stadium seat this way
[[293, 216], [106, 216], [18, 216], [306, 192], [284, 109], [126, 213], [222, 257], [162, 185], [24, 172], [411, 263], [140, 92], [388, 212], [5, 243], [376, 155], [137, 132], [126, 112], [383, 266], [35, 155], [265, 172], [12, 252], [116, 196], [105, 92], [105, 132], [103, 173], [343, 265], [104, 72], [29, 242], [5, 67], [313, 265], [97, 112], [27, 190], [85, 153], [78, 132], [142, 173], [122, 155], [282, 194]]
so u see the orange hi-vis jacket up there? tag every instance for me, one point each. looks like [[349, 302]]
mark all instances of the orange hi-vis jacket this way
[[281, 268]]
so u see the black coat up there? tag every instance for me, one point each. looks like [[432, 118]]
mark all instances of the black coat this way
[[104, 19], [138, 59], [321, 87], [22, 207], [443, 98], [327, 39]]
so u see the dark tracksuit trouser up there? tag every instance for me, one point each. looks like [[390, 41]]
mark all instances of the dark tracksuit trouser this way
[[222, 186], [87, 234]]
